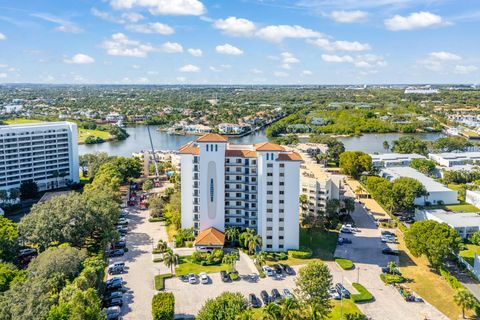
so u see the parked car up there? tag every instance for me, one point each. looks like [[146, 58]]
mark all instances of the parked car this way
[[115, 302], [122, 221], [288, 270], [342, 291], [345, 229], [253, 301], [119, 245], [390, 251], [268, 271], [265, 297], [288, 294], [113, 313], [116, 270], [115, 286], [387, 233], [27, 252], [122, 229], [225, 277], [276, 296], [114, 295], [278, 269], [345, 240], [204, 278], [184, 278], [116, 253], [192, 278], [334, 294]]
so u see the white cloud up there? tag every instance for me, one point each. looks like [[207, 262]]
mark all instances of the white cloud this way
[[172, 47], [280, 32], [62, 24], [135, 66], [443, 55], [133, 17], [256, 71], [369, 61], [348, 16], [288, 59], [79, 58], [3, 75], [181, 79], [195, 52], [69, 29], [163, 7], [189, 68], [280, 74], [307, 72], [155, 27], [121, 45], [336, 58], [415, 20], [235, 26], [459, 69], [340, 45], [228, 49], [215, 69], [106, 16], [2, 36]]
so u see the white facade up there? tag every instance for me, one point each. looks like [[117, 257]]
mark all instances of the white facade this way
[[449, 159], [437, 192], [318, 186], [466, 223], [387, 160], [46, 153], [244, 186], [473, 197]]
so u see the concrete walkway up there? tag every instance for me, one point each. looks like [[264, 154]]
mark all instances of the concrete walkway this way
[[245, 265]]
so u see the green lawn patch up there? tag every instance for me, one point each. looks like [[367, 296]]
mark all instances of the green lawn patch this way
[[462, 207], [345, 307], [157, 219], [345, 264], [363, 294], [160, 281], [469, 253], [321, 242], [83, 134], [185, 266], [391, 278], [21, 121]]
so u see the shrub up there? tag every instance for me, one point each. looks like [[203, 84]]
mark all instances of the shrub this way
[[391, 278], [302, 253], [234, 276], [158, 260], [261, 274], [156, 219], [345, 264], [363, 294], [163, 306], [207, 259], [452, 281], [160, 280]]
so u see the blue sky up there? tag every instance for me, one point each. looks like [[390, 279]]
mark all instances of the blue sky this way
[[240, 42]]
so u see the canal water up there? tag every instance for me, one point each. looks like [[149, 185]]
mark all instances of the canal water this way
[[139, 141]]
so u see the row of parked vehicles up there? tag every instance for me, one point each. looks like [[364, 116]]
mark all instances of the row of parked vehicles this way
[[389, 237], [113, 298], [278, 270], [274, 297], [338, 292], [117, 249]]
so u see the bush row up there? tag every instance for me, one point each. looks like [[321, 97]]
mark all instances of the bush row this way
[[160, 281], [363, 294], [452, 281], [163, 306], [391, 278], [345, 264], [302, 253]]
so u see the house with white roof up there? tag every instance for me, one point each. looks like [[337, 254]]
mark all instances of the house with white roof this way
[[387, 160], [466, 223]]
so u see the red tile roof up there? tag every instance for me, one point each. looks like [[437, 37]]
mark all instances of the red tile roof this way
[[292, 156], [268, 146], [241, 153], [210, 237], [189, 148], [212, 137]]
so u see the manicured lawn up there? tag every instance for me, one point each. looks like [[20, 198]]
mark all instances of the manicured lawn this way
[[186, 267], [426, 283], [322, 243], [345, 264], [462, 207], [160, 281], [21, 121], [345, 307], [84, 133], [469, 252]]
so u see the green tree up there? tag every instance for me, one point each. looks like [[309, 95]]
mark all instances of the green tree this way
[[312, 284], [13, 194], [170, 259], [475, 238], [290, 309], [3, 196], [423, 165], [28, 190], [272, 312], [162, 247], [91, 163], [250, 240], [386, 145], [226, 306], [354, 163], [9, 275], [392, 265], [335, 146], [405, 190], [410, 144], [436, 241], [230, 259], [355, 316], [129, 167], [8, 239], [231, 233], [260, 259], [449, 144], [465, 300], [80, 305], [349, 205], [155, 205], [163, 306], [147, 185]]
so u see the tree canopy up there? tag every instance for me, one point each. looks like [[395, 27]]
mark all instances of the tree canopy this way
[[354, 163], [226, 306], [423, 165], [410, 144], [8, 239]]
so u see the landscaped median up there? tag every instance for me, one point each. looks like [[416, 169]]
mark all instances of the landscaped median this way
[[363, 294], [345, 264], [160, 281]]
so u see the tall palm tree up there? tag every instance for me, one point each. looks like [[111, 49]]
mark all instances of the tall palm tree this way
[[465, 300], [260, 259], [230, 259], [245, 236], [391, 266], [162, 247], [232, 234], [253, 242], [272, 312], [313, 312], [170, 259], [290, 309], [303, 203]]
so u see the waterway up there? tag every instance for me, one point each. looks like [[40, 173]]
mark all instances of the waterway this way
[[139, 141]]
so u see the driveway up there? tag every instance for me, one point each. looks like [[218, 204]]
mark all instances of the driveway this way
[[365, 252], [141, 237]]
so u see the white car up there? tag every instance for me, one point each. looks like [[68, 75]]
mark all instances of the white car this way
[[192, 278], [268, 271], [203, 278], [334, 294]]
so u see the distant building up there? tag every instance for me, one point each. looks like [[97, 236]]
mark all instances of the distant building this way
[[46, 153], [466, 223], [437, 192], [449, 159], [473, 197], [114, 117], [421, 90], [231, 128], [197, 129], [388, 160]]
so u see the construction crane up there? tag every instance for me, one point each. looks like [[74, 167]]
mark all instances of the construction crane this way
[[157, 174]]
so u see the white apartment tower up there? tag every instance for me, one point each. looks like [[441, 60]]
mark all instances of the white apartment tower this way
[[245, 186], [46, 153]]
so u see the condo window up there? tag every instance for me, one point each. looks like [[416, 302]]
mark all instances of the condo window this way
[[269, 228], [280, 219], [282, 165], [280, 228], [269, 220], [281, 192], [270, 165], [269, 192], [216, 147], [269, 237], [269, 201], [270, 210], [269, 174], [280, 237], [269, 246], [211, 190], [269, 183], [281, 201], [282, 183], [207, 147], [280, 246]]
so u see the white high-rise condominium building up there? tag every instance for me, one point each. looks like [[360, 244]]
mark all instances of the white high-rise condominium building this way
[[46, 153], [245, 186]]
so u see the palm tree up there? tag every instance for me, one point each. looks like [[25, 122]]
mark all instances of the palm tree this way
[[289, 309], [170, 259], [465, 300], [392, 265], [162, 247], [386, 145], [260, 259], [3, 195], [349, 205], [303, 203], [272, 312], [246, 315], [313, 312], [232, 234], [253, 242], [230, 259]]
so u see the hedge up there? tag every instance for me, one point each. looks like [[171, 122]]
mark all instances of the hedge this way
[[345, 264], [302, 253], [160, 280], [163, 306], [391, 278], [452, 281], [157, 219], [156, 260], [363, 296]]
